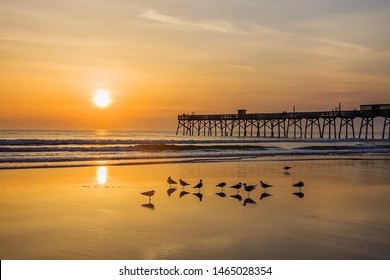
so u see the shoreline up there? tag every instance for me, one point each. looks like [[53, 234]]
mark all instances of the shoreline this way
[[276, 158]]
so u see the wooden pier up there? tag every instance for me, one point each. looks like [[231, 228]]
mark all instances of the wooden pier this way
[[325, 124]]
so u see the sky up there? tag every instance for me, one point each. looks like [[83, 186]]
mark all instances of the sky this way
[[158, 59]]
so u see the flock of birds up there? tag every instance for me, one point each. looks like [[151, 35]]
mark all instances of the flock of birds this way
[[238, 187]]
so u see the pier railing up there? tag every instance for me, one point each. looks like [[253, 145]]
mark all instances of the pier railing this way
[[285, 124]]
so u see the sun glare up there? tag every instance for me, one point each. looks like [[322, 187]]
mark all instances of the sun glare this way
[[102, 98], [101, 175]]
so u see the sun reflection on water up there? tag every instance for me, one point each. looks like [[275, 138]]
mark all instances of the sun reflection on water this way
[[101, 175]]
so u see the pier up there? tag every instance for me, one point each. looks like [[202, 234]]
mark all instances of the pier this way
[[324, 124]]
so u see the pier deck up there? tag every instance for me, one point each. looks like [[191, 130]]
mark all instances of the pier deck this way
[[330, 124]]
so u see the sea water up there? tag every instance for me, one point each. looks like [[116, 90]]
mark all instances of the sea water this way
[[73, 148]]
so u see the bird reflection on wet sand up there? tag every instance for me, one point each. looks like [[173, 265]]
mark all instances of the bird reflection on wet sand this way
[[221, 194], [264, 195], [183, 193], [237, 196], [249, 200], [299, 194], [148, 205], [170, 191], [199, 195]]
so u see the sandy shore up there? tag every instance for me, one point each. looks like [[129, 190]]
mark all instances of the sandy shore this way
[[99, 213]]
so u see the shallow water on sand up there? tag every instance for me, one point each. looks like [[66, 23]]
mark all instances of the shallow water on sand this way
[[342, 212]]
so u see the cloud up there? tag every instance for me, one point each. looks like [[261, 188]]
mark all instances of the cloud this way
[[344, 45], [356, 48], [243, 68], [249, 29], [209, 25], [154, 15]]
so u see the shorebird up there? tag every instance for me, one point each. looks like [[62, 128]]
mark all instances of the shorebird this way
[[249, 188], [265, 185], [286, 168], [221, 185], [149, 194], [183, 183], [300, 184], [171, 181], [199, 185], [237, 187]]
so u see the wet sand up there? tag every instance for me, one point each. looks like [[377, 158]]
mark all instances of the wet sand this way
[[99, 213]]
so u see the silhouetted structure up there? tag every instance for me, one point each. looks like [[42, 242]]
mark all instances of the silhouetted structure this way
[[329, 124]]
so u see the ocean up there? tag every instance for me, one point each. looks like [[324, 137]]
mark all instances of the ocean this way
[[76, 148]]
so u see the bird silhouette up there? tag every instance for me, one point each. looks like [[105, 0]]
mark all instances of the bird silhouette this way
[[149, 194], [265, 185], [221, 185], [249, 188], [199, 185], [286, 168], [170, 181], [300, 184], [183, 183], [237, 187]]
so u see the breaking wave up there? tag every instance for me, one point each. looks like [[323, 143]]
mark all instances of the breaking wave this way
[[85, 149]]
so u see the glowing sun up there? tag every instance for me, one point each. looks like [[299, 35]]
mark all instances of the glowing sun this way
[[102, 98]]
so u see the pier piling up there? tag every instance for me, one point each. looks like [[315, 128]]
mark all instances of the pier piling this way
[[330, 124]]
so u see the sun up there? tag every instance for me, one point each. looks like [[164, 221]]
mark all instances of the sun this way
[[102, 98]]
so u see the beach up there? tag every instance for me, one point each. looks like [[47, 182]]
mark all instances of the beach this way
[[97, 212], [194, 139]]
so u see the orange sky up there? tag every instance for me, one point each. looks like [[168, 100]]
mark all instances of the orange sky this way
[[163, 58]]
